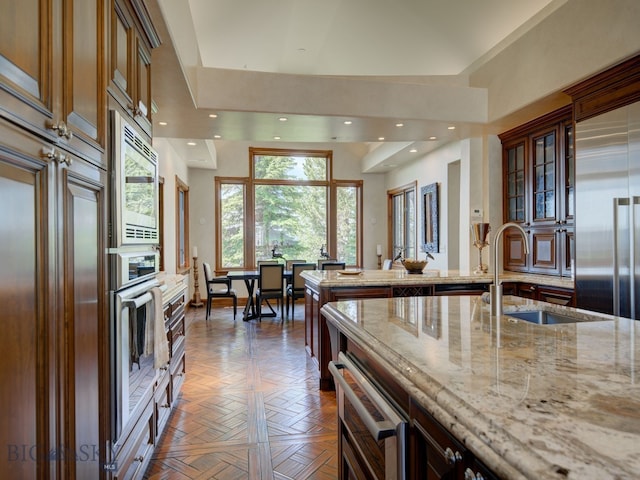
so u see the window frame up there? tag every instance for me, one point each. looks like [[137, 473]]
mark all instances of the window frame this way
[[391, 194], [250, 182], [182, 225]]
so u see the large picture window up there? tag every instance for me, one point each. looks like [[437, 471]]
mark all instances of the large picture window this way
[[289, 206]]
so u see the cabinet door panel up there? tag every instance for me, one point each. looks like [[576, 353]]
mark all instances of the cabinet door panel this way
[[26, 59], [85, 314], [544, 254], [26, 395], [83, 90], [514, 252], [122, 36]]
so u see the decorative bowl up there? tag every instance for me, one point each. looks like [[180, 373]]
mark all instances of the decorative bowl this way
[[414, 266]]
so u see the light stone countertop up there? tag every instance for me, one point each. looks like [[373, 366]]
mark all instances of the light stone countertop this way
[[334, 278], [531, 401]]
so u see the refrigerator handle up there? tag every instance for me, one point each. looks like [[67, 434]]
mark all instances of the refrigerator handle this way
[[634, 252], [617, 203]]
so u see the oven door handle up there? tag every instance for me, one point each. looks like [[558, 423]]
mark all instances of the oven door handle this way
[[138, 301], [378, 429]]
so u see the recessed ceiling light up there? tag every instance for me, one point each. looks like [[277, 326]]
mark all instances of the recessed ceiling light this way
[[217, 136], [163, 123], [276, 138], [399, 124], [380, 138], [283, 119], [213, 115], [191, 144], [451, 127], [348, 122], [433, 138], [413, 150]]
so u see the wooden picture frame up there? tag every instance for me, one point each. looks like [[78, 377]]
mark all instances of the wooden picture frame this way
[[429, 209]]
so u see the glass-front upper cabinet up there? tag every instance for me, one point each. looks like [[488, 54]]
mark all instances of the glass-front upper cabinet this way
[[515, 180], [544, 176]]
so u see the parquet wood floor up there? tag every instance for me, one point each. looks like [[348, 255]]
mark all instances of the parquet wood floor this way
[[250, 407]]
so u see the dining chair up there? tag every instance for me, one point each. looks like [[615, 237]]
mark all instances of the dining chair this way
[[326, 260], [270, 282], [295, 289], [267, 262], [289, 263], [333, 266], [218, 287]]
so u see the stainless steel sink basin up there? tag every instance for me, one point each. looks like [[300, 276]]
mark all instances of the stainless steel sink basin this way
[[543, 318]]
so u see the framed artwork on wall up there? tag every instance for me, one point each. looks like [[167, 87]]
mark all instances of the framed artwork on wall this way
[[429, 208]]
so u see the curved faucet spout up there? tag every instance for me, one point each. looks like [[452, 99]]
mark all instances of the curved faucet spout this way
[[496, 288]]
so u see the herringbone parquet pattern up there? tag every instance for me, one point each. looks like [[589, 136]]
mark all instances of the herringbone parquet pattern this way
[[250, 407]]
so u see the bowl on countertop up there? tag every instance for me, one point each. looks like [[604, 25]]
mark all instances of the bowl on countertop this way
[[413, 265]]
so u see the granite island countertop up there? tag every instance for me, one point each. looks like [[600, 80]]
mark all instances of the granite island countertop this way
[[531, 401], [368, 278]]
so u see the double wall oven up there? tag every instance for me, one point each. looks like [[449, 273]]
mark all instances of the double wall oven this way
[[134, 264]]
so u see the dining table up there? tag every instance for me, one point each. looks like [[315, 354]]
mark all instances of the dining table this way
[[249, 277]]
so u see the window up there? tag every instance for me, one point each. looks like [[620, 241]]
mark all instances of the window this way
[[289, 207], [182, 227], [402, 211]]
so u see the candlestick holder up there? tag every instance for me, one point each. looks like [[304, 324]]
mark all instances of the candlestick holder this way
[[379, 261], [196, 301], [480, 232]]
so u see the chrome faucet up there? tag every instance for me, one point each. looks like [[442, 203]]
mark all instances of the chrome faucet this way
[[496, 288]]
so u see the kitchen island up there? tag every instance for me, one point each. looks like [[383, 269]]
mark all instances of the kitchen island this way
[[322, 286], [518, 400]]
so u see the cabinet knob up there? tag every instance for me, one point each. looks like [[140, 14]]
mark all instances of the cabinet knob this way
[[451, 456], [166, 405], [471, 475], [58, 157], [135, 111], [139, 458], [61, 129]]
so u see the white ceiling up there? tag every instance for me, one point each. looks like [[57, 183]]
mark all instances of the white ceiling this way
[[389, 40]]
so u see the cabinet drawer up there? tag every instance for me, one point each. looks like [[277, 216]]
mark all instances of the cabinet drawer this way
[[177, 337], [135, 454], [178, 369], [162, 403]]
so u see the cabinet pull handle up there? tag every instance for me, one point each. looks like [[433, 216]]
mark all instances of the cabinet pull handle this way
[[452, 457], [166, 405], [61, 129], [139, 458], [378, 429]]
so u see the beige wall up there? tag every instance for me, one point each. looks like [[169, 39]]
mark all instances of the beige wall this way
[[580, 38]]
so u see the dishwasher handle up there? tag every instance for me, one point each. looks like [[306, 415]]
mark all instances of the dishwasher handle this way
[[378, 429]]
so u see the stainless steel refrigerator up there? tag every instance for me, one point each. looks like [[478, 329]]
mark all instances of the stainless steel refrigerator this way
[[607, 256]]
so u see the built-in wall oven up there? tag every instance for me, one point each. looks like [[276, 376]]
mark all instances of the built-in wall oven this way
[[373, 431], [135, 187], [134, 265]]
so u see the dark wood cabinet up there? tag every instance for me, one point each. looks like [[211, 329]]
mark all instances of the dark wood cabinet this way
[[132, 38], [54, 294], [52, 79], [538, 178]]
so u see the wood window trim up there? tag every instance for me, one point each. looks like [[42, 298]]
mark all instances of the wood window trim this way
[[403, 189], [182, 188]]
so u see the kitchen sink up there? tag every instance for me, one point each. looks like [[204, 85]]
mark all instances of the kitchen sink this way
[[543, 318]]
